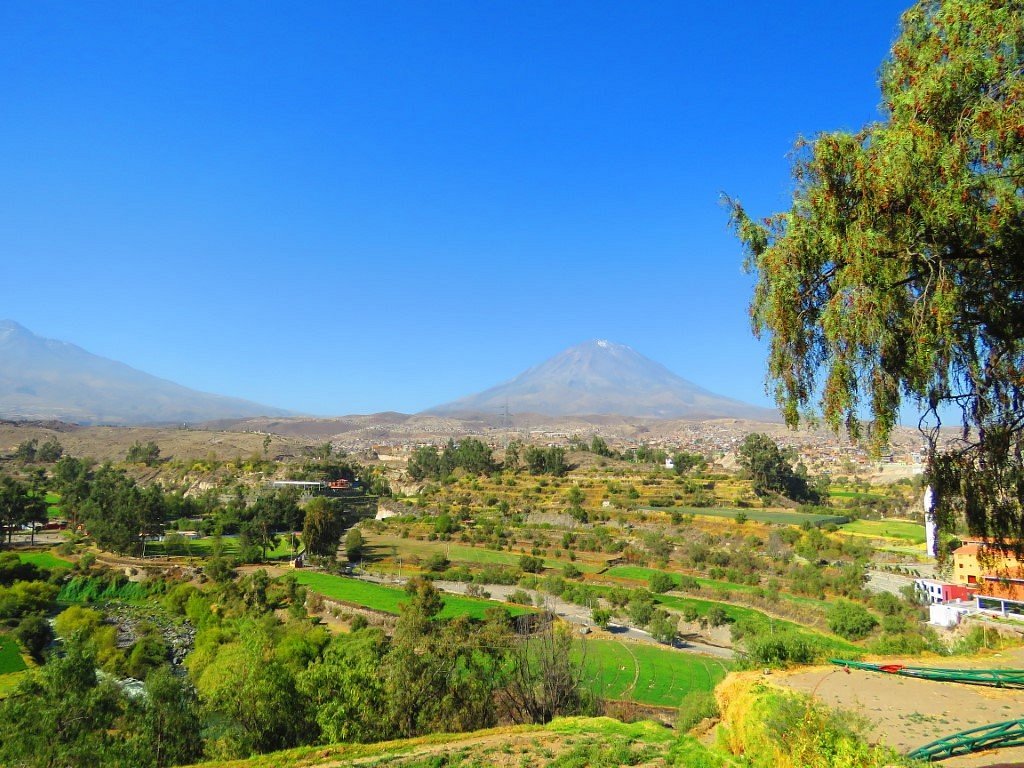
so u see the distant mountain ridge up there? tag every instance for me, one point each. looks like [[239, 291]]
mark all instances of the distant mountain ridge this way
[[48, 379], [601, 377]]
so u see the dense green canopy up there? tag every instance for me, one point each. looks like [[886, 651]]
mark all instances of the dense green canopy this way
[[898, 272]]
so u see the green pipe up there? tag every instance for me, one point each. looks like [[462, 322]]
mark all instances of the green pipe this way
[[1000, 678]]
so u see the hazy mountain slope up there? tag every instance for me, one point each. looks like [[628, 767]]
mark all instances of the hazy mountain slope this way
[[599, 377], [44, 378]]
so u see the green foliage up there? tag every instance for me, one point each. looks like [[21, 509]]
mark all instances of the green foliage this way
[[897, 271], [14, 568], [27, 597], [470, 455], [354, 545], [850, 620], [254, 697], [781, 727], [663, 626], [322, 527], [695, 707], [531, 564], [661, 582], [50, 451], [104, 586], [771, 469], [167, 721], [780, 649], [387, 599], [148, 454], [26, 450], [545, 461], [684, 461], [64, 716], [117, 513], [35, 634]]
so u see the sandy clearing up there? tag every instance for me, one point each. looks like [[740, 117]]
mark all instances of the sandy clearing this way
[[907, 713]]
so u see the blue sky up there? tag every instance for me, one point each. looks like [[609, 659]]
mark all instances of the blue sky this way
[[354, 207]]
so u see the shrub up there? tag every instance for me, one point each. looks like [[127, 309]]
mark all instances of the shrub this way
[[531, 564], [780, 649], [521, 597], [661, 582], [716, 616], [850, 620], [34, 634]]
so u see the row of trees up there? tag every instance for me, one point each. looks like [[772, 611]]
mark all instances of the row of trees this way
[[470, 455], [118, 513], [475, 457]]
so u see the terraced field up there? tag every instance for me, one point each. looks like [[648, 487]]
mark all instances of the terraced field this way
[[762, 622], [643, 575], [779, 517], [44, 560], [648, 674], [383, 545], [10, 656], [388, 599], [887, 529]]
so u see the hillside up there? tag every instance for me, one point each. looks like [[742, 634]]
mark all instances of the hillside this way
[[48, 379], [601, 377]]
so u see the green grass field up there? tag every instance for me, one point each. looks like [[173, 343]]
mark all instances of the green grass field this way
[[388, 599], [10, 656], [889, 529], [44, 560], [382, 546], [780, 517], [53, 505], [648, 674]]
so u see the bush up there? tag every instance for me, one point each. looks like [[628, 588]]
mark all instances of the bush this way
[[521, 597], [850, 620], [436, 563], [531, 564], [25, 597], [716, 616], [34, 634], [695, 707], [661, 582], [780, 649]]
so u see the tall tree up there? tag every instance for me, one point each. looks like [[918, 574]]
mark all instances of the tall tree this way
[[322, 528], [167, 725], [545, 676], [72, 479], [898, 272], [440, 676], [13, 503]]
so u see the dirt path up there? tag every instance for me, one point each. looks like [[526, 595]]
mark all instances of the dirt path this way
[[907, 713], [636, 669]]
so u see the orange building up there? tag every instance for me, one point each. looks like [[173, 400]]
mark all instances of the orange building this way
[[981, 562]]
